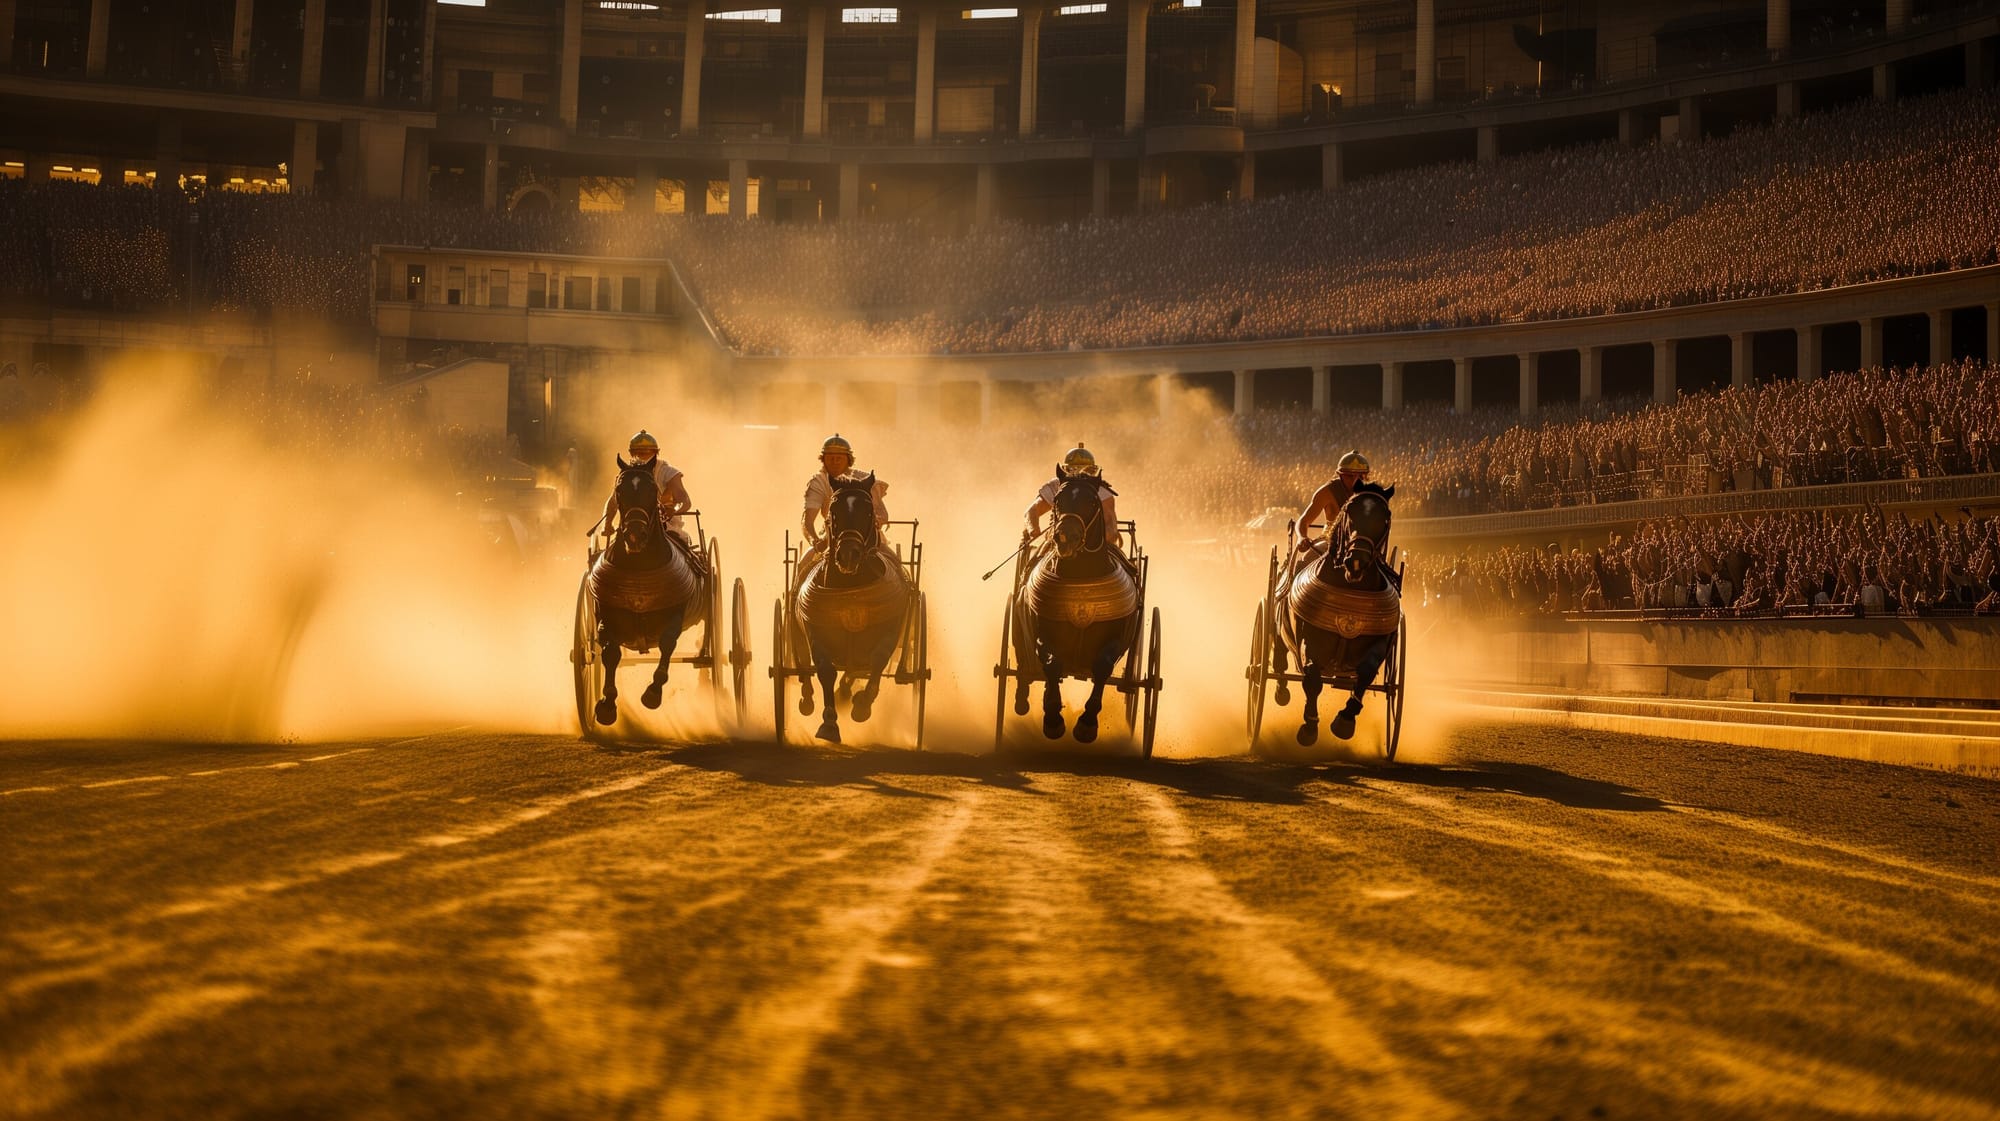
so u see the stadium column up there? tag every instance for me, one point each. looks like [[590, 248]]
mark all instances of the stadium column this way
[[927, 23], [1940, 351], [1246, 177], [1332, 166], [1031, 70], [1885, 81], [304, 167], [35, 167], [1993, 333], [375, 157], [570, 73], [1531, 383], [914, 406], [850, 191], [1978, 65], [1163, 394], [427, 63], [1628, 127], [312, 54], [1739, 359], [1100, 188], [814, 120], [982, 195], [1489, 144], [645, 196], [1322, 389], [1896, 15], [1246, 392], [378, 33], [1136, 14], [239, 44], [1666, 370], [739, 188], [1690, 120], [416, 167], [1812, 338], [99, 42], [489, 177], [1788, 100], [1778, 27], [1871, 343], [1392, 387], [985, 401], [1244, 74], [691, 52], [167, 152], [1461, 385], [1590, 374], [1427, 60]]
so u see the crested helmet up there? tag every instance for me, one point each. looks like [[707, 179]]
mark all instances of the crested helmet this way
[[643, 441], [837, 443], [1354, 462], [1079, 461]]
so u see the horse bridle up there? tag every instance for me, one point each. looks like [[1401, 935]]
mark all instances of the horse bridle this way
[[836, 538], [1352, 541], [1096, 516]]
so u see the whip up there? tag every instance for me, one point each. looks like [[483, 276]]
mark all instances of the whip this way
[[1025, 542]]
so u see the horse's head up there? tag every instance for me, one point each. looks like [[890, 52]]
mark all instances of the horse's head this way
[[851, 523], [1079, 515], [638, 506], [1362, 533]]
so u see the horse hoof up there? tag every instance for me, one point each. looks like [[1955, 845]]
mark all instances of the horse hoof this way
[[1309, 733], [1343, 725], [863, 706], [828, 731], [1284, 694], [1086, 728], [607, 712], [805, 705], [651, 697], [1052, 725], [1021, 703]]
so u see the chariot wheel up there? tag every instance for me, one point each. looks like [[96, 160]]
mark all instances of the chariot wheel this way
[[711, 630], [780, 660], [739, 650], [1260, 649], [1152, 687], [1392, 713], [1000, 675], [922, 641], [585, 662], [1132, 680]]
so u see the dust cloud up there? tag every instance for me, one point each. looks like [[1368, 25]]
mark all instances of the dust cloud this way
[[175, 566]]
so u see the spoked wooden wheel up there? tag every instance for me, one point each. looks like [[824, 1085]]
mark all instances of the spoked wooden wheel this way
[[922, 640], [1392, 714], [1152, 686], [739, 649], [1000, 675], [1132, 682], [780, 659], [712, 630], [1260, 650], [586, 666]]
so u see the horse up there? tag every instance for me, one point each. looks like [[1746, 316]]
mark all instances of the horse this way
[[1081, 607], [647, 586], [851, 606], [1339, 609]]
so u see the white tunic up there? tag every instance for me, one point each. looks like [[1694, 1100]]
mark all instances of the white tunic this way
[[819, 493]]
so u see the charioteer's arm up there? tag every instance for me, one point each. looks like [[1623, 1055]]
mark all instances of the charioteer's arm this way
[[677, 500], [1032, 517]]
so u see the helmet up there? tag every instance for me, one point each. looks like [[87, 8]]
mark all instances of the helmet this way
[[643, 441], [1356, 462], [837, 443], [1079, 461]]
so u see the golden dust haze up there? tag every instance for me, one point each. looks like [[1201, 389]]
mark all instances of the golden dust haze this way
[[176, 565]]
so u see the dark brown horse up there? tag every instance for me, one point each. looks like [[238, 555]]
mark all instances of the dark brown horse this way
[[1080, 610], [647, 588], [851, 606], [1339, 609]]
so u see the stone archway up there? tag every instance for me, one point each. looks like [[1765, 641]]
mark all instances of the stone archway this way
[[534, 196]]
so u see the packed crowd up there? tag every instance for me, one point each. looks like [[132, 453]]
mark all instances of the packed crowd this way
[[1841, 562], [1862, 193]]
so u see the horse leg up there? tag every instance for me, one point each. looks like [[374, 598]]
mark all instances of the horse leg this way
[[1052, 716], [1365, 669], [612, 654], [670, 636], [864, 700], [1280, 658], [1309, 730], [829, 727]]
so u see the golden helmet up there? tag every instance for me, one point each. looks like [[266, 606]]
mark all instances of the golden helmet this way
[[1355, 462], [643, 441], [837, 443], [1079, 461]]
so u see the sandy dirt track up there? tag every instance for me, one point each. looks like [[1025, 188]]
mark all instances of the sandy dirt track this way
[[1547, 924]]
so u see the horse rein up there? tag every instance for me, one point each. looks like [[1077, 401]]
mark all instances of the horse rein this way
[[1096, 516]]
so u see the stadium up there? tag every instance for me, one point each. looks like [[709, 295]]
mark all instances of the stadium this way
[[1592, 411]]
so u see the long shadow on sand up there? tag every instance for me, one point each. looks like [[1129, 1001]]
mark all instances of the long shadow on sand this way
[[1237, 779]]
